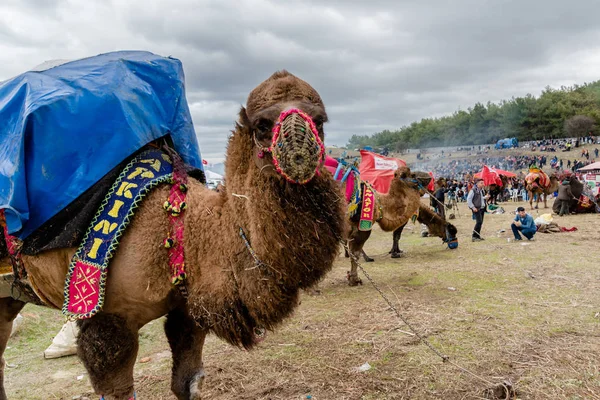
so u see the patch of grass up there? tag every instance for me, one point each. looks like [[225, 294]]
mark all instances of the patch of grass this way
[[524, 313]]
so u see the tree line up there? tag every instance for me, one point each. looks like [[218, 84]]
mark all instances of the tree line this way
[[566, 112]]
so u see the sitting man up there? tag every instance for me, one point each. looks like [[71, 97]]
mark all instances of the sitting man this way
[[524, 223]]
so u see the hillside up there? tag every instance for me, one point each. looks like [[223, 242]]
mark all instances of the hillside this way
[[564, 112]]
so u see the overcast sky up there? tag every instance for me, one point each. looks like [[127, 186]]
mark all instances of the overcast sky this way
[[377, 64]]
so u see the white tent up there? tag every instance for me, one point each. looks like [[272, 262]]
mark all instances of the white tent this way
[[212, 175], [591, 167]]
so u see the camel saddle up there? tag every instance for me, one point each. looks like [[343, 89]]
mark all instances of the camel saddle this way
[[68, 126], [537, 177]]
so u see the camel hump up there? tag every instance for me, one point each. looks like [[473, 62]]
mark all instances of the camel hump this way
[[281, 86]]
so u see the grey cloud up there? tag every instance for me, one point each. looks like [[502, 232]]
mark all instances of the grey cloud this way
[[378, 65]]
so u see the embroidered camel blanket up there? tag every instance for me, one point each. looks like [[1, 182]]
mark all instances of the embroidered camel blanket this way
[[66, 127], [542, 178]]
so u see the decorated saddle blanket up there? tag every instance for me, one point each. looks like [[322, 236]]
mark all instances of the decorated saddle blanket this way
[[360, 196], [88, 271], [58, 142], [67, 228], [538, 176]]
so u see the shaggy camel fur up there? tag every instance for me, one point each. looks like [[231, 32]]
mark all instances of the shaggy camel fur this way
[[398, 206], [540, 191], [229, 293]]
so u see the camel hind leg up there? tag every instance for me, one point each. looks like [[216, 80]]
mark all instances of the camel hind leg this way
[[108, 346], [9, 308], [186, 340], [356, 245]]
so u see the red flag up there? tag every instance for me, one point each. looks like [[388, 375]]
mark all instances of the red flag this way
[[431, 186], [378, 170], [490, 177], [204, 162]]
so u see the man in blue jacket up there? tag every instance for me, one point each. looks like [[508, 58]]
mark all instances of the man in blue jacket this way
[[524, 224]]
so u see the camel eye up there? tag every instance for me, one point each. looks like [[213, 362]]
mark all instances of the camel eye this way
[[264, 125], [318, 123]]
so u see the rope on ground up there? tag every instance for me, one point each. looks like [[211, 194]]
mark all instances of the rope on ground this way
[[445, 358]]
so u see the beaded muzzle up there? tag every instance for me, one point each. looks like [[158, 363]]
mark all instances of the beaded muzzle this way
[[296, 147]]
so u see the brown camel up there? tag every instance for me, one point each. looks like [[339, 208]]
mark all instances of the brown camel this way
[[533, 188], [437, 226], [398, 206], [495, 190], [230, 293]]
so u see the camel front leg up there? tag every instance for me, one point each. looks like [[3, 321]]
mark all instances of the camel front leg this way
[[531, 200], [358, 239], [9, 308], [108, 347], [366, 257], [396, 252], [186, 340]]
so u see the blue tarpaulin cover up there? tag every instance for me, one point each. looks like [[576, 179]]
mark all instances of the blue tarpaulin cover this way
[[64, 128]]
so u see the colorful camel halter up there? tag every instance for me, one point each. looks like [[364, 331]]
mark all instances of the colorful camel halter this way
[[452, 242], [86, 278], [296, 157]]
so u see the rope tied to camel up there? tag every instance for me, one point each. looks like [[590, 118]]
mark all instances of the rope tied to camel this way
[[258, 263], [505, 386]]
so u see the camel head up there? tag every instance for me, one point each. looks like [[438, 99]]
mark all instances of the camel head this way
[[284, 119], [450, 237], [414, 180]]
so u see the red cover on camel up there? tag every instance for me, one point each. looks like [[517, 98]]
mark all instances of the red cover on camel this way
[[378, 170], [544, 179]]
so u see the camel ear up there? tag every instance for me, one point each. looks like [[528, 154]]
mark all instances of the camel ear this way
[[243, 124]]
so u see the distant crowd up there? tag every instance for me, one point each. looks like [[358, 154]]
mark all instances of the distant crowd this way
[[456, 169]]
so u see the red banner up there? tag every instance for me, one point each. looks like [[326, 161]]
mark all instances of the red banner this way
[[378, 170], [491, 176]]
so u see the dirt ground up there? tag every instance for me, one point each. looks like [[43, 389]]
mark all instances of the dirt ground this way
[[524, 313]]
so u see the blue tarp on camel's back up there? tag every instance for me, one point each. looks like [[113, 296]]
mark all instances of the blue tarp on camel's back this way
[[63, 129]]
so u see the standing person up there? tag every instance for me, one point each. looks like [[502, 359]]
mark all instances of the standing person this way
[[524, 224], [439, 200], [476, 202], [564, 197]]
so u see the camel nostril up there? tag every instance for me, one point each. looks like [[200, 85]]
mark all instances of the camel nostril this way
[[299, 159]]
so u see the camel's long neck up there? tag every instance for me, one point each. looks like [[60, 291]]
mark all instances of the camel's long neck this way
[[398, 206], [435, 223], [294, 230]]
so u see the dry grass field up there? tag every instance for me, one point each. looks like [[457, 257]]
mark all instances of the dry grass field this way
[[525, 313]]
